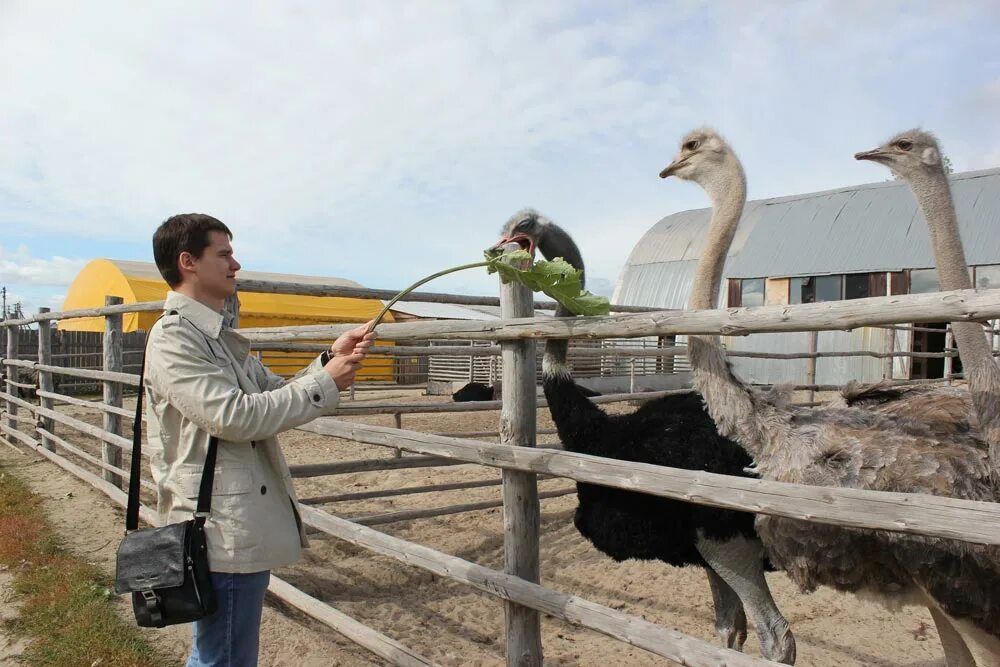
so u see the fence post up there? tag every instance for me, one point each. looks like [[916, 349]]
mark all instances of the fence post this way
[[112, 454], [45, 382], [520, 489], [811, 365], [12, 340], [890, 344], [397, 417], [949, 342]]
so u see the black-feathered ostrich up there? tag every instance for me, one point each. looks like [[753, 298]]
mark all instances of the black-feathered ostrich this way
[[670, 431]]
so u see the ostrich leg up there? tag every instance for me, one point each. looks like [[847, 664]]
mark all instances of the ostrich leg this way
[[730, 619], [740, 563], [956, 652]]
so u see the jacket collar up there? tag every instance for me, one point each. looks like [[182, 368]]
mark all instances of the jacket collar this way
[[208, 321]]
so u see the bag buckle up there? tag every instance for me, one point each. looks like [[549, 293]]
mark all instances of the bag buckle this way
[[149, 596]]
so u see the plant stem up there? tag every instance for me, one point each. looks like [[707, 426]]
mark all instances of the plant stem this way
[[420, 282]]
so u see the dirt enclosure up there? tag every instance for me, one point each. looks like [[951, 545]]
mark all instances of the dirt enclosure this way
[[453, 624]]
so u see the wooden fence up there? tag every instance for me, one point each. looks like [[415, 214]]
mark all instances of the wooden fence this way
[[34, 425], [75, 349]]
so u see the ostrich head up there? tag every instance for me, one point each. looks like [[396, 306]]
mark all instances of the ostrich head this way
[[531, 229], [704, 158], [909, 155]]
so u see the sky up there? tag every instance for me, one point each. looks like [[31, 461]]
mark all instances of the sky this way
[[384, 141]]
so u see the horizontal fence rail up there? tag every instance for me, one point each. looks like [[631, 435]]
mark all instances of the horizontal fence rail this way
[[915, 514], [958, 305], [314, 289], [631, 629], [585, 353]]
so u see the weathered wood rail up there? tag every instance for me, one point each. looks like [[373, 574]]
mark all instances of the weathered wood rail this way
[[958, 305]]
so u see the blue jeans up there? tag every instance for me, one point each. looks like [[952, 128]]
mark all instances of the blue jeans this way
[[230, 636]]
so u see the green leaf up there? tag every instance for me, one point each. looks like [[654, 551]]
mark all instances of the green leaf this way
[[556, 278]]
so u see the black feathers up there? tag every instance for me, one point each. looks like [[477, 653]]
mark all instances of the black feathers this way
[[672, 431]]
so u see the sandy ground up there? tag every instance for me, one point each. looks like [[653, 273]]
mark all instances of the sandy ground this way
[[453, 624]]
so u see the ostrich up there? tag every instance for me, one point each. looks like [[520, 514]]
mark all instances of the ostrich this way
[[670, 431], [476, 391], [854, 447], [915, 157]]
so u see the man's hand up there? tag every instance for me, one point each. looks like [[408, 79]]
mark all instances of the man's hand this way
[[353, 341], [347, 353]]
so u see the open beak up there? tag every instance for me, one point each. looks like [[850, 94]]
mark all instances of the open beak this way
[[671, 168], [522, 240], [875, 155]]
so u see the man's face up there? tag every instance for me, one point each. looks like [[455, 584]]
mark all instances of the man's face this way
[[216, 268]]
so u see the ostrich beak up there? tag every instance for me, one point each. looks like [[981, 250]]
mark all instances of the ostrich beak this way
[[875, 155], [672, 168], [521, 239]]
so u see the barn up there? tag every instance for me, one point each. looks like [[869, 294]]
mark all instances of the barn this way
[[848, 243], [136, 282]]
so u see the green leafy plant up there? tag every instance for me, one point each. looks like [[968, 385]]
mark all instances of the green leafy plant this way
[[556, 278]]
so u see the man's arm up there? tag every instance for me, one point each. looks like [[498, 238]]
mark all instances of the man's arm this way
[[182, 367]]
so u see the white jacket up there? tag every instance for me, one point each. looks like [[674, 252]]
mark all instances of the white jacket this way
[[202, 381]]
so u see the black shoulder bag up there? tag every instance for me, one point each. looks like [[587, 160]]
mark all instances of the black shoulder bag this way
[[165, 569]]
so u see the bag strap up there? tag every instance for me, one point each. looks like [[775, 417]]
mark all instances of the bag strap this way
[[204, 507]]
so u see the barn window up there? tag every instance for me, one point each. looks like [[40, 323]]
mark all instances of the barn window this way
[[988, 277], [899, 282], [752, 292], [734, 293], [776, 291], [857, 286], [923, 281], [816, 288], [877, 284]]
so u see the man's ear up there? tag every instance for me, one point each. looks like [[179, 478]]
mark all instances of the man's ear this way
[[185, 262]]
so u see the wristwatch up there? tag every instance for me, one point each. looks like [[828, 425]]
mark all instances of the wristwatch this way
[[325, 357]]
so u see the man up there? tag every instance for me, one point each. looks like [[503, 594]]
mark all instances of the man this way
[[201, 381]]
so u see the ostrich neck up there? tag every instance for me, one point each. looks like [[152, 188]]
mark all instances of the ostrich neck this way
[[728, 400], [934, 196], [554, 358], [728, 197]]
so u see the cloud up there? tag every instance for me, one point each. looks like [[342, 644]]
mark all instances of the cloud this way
[[285, 114], [18, 267]]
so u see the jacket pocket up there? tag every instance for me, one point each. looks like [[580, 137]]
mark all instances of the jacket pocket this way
[[231, 506], [229, 480]]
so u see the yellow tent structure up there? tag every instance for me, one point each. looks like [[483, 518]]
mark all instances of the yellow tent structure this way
[[136, 282]]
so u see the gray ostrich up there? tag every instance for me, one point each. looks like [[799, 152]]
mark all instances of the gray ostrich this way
[[915, 157], [851, 447]]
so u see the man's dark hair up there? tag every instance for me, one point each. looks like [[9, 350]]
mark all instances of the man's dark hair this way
[[187, 232]]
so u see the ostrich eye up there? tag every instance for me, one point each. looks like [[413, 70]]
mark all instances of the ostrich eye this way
[[691, 145], [904, 144]]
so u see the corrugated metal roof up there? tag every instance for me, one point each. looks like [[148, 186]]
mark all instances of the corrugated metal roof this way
[[658, 285], [873, 227], [148, 271]]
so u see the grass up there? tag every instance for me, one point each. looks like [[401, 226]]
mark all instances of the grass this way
[[66, 605]]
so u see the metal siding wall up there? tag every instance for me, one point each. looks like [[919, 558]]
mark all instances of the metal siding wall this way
[[836, 370]]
